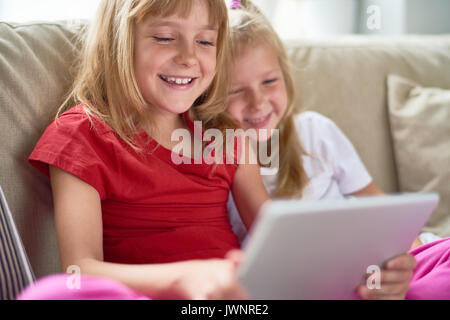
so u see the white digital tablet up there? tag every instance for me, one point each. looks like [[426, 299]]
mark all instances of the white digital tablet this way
[[323, 249]]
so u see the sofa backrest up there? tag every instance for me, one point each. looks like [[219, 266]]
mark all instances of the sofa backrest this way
[[344, 80]]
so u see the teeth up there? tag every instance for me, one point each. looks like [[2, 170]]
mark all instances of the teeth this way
[[256, 121], [178, 81]]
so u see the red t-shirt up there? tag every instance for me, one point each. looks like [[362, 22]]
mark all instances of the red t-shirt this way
[[153, 210]]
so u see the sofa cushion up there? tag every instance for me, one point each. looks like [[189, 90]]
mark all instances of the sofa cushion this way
[[420, 122], [15, 269], [35, 62]]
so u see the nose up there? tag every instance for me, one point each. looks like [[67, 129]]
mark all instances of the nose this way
[[186, 55], [257, 100]]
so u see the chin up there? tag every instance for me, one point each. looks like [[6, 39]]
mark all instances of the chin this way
[[179, 109]]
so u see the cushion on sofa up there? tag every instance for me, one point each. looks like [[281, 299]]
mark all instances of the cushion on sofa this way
[[420, 123]]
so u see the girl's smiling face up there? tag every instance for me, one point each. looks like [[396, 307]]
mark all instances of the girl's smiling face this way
[[257, 97], [175, 59]]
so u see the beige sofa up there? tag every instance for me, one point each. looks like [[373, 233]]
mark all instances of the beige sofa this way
[[345, 79]]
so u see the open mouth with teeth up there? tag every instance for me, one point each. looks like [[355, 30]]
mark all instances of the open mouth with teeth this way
[[177, 81], [259, 122]]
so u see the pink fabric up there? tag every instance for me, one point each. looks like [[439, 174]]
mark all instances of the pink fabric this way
[[58, 287], [431, 279], [235, 4]]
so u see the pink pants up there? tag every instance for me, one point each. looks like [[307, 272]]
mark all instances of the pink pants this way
[[431, 281], [60, 287]]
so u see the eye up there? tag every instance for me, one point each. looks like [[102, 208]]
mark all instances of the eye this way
[[206, 43], [163, 39], [269, 81], [234, 92]]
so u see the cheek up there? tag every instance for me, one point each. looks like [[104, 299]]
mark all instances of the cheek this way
[[209, 62], [236, 110], [281, 101], [145, 67], [282, 106]]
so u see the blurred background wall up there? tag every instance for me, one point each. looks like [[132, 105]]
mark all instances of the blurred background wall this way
[[291, 18]]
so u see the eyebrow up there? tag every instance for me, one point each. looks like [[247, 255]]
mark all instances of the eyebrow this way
[[273, 71], [175, 24], [263, 75], [268, 73]]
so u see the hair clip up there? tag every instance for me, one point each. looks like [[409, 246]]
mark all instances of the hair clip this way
[[235, 4]]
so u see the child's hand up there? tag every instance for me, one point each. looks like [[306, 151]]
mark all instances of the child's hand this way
[[213, 279], [395, 278]]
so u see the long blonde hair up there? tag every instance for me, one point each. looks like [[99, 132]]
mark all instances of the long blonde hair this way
[[105, 83], [249, 27]]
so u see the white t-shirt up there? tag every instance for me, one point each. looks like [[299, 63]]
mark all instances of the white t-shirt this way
[[332, 165]]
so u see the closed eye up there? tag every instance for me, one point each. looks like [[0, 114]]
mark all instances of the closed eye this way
[[163, 39], [269, 81], [233, 92], [206, 43]]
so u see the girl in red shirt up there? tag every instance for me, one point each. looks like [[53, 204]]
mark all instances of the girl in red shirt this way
[[123, 209]]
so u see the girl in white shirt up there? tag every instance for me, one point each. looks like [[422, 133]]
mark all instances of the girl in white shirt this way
[[316, 160]]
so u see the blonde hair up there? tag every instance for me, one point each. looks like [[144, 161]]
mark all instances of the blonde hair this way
[[249, 27], [105, 83]]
